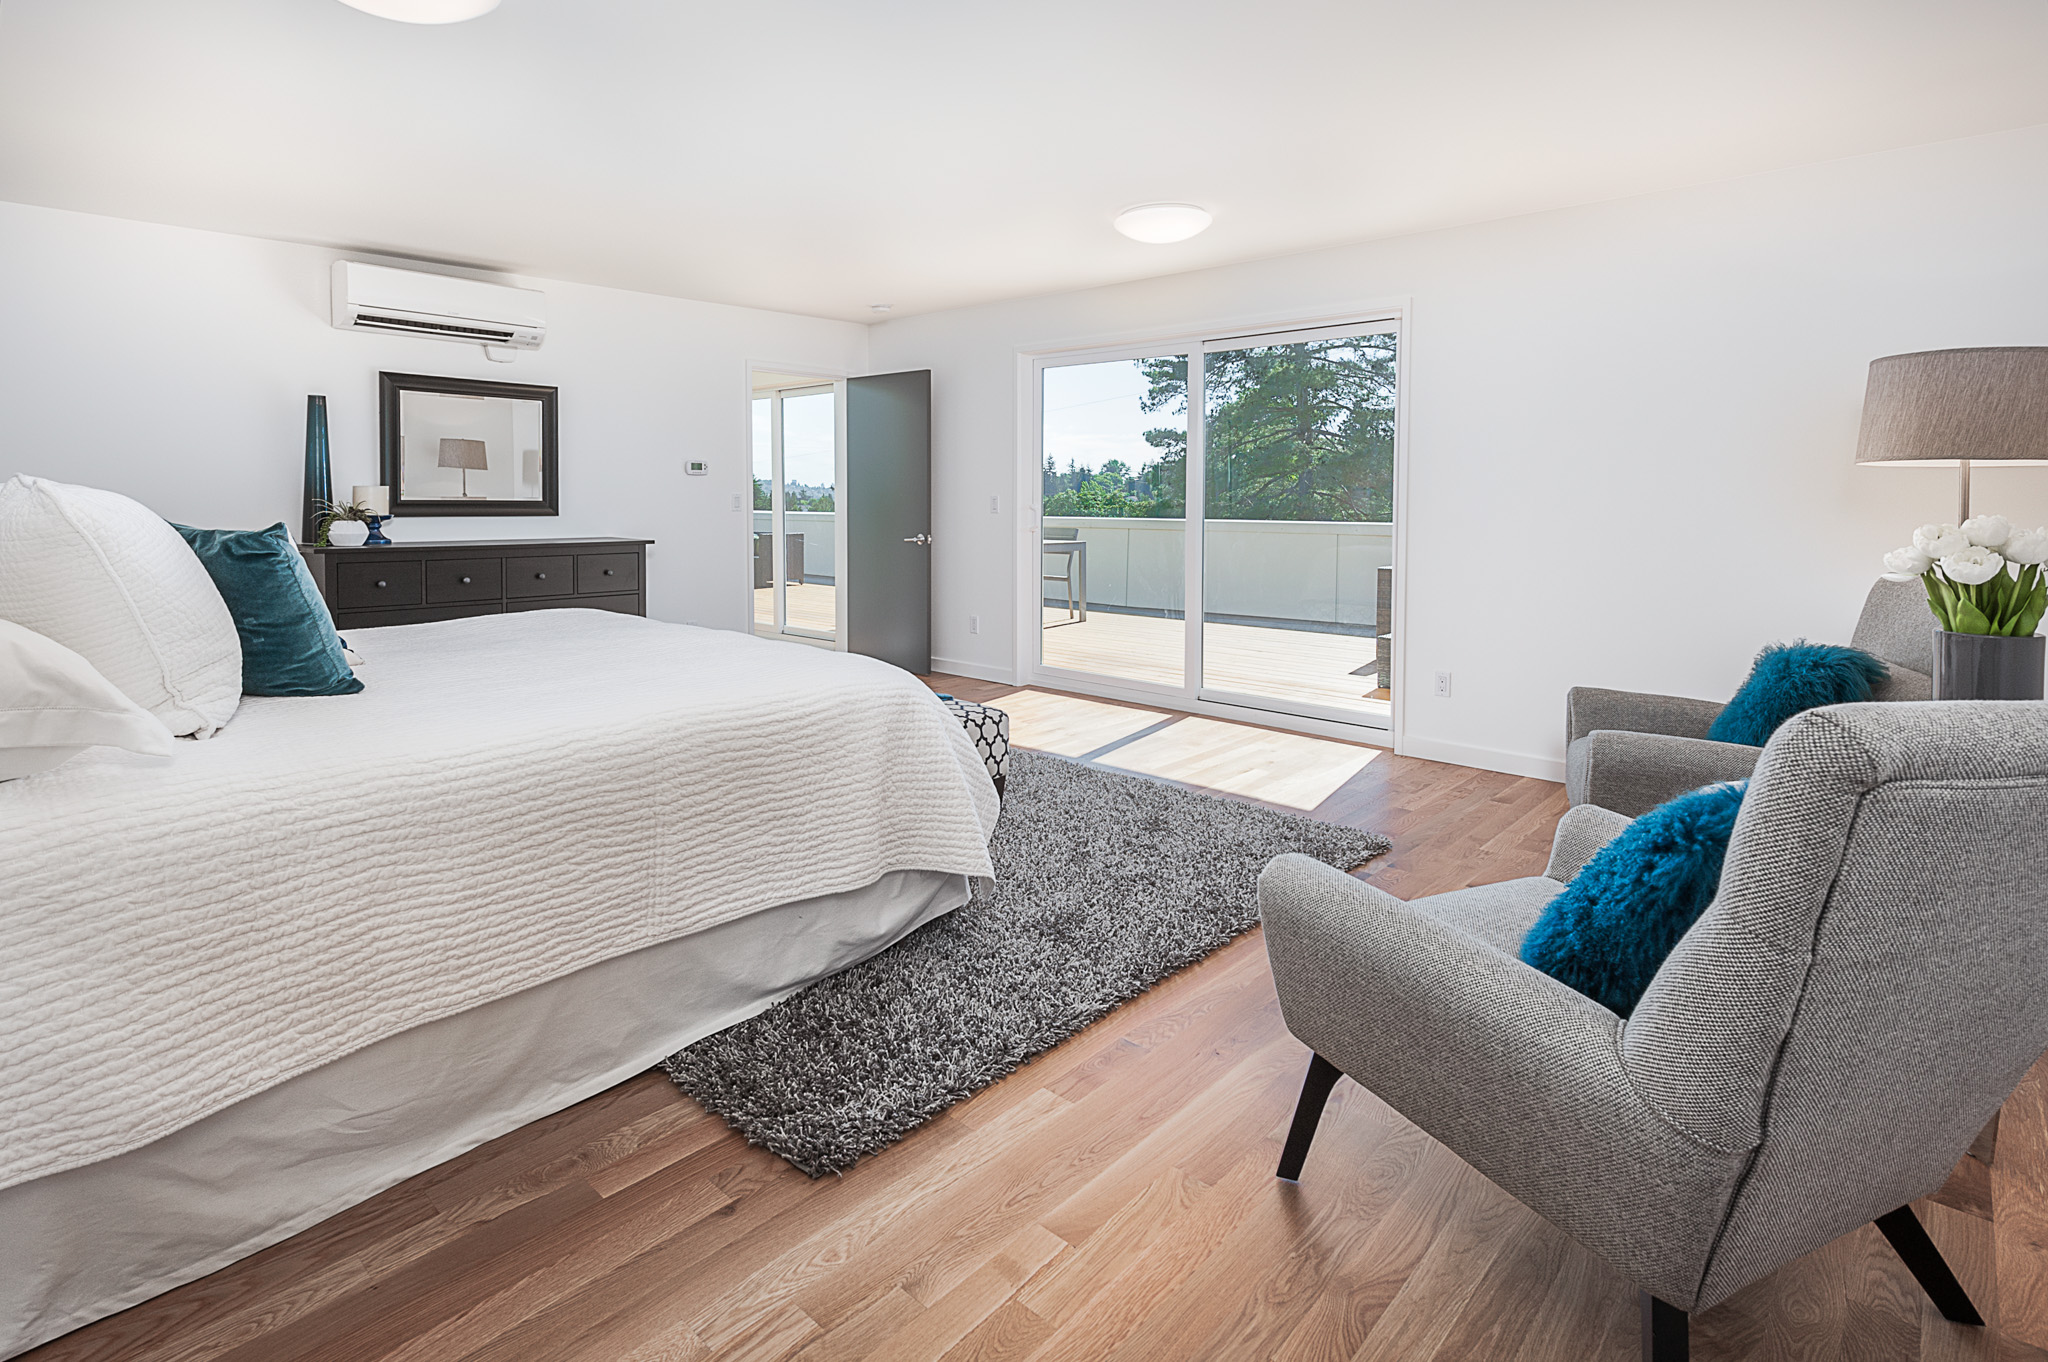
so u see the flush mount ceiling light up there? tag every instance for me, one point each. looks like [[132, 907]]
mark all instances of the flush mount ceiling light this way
[[424, 11], [1159, 223]]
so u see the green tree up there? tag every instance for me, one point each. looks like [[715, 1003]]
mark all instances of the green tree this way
[[1293, 432], [762, 500]]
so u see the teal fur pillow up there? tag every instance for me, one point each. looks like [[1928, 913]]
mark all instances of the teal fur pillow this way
[[288, 642], [1607, 934], [1790, 678]]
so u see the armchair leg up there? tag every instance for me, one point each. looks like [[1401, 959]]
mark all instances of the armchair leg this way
[[1667, 1334], [1308, 1113], [1909, 1240]]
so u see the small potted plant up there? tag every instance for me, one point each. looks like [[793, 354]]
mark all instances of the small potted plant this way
[[1986, 586], [348, 513]]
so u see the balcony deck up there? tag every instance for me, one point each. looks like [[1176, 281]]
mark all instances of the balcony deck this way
[[1292, 666], [811, 605], [1287, 665]]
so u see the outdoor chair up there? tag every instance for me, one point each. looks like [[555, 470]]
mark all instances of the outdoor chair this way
[[1817, 1052], [1066, 576], [1629, 751]]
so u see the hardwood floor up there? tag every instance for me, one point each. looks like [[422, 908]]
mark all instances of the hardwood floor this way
[[1114, 1199]]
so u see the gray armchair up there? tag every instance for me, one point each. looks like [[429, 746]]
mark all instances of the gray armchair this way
[[1628, 751], [1817, 1052]]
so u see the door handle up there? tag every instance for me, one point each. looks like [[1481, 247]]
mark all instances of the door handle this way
[[919, 539]]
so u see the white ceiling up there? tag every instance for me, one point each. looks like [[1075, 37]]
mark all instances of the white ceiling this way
[[820, 157]]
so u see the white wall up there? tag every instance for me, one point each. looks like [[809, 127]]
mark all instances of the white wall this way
[[1631, 425], [173, 365]]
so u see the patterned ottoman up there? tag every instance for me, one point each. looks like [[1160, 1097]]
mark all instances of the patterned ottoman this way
[[990, 729]]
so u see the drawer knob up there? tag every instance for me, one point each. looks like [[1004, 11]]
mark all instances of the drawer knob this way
[[382, 584], [465, 581], [608, 572], [540, 576]]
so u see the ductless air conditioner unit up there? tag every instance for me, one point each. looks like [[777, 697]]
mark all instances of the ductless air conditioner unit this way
[[408, 303]]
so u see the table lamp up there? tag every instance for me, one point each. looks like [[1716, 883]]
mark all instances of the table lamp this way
[[1956, 408], [465, 455], [376, 504]]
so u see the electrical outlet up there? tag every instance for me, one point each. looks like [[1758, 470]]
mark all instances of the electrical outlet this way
[[974, 624], [994, 505], [735, 501], [1443, 685]]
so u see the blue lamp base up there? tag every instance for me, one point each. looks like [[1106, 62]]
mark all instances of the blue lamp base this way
[[376, 534]]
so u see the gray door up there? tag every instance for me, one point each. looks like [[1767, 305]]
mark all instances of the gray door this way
[[888, 518]]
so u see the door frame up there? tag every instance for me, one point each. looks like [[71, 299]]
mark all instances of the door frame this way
[[816, 379], [1032, 360]]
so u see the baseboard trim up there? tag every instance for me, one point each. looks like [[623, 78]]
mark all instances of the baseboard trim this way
[[1485, 758], [953, 667]]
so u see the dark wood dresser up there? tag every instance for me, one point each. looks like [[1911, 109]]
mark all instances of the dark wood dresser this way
[[368, 588]]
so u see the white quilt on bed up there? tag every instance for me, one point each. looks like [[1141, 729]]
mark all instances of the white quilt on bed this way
[[510, 798]]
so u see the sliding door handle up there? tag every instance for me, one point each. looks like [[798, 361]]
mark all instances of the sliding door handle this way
[[919, 539]]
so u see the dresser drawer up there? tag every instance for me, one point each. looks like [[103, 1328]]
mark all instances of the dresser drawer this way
[[452, 580], [379, 585], [425, 614], [618, 605], [605, 573], [550, 576]]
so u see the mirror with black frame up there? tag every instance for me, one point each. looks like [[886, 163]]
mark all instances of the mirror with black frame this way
[[464, 446]]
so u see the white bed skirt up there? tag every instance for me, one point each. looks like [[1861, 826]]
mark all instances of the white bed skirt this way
[[84, 1243]]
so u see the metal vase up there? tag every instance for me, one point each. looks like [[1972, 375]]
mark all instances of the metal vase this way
[[1987, 666], [318, 486]]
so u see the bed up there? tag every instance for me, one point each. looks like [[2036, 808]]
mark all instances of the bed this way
[[350, 937]]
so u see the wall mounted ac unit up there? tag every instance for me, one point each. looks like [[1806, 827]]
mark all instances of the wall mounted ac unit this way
[[498, 317]]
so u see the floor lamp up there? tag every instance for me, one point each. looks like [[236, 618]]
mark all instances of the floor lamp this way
[[465, 455], [1956, 408]]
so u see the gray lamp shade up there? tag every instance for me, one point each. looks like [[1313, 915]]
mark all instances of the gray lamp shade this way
[[463, 454], [1939, 408]]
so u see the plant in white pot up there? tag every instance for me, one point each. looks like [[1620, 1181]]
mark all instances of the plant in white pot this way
[[1986, 585], [351, 519]]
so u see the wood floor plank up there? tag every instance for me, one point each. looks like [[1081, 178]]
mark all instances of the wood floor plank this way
[[2019, 1183], [1113, 1198], [864, 1333]]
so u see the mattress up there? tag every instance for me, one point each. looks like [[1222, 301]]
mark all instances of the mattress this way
[[81, 1244], [511, 799]]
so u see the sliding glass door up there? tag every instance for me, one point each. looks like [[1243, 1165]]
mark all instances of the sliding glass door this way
[[1113, 523], [1280, 447], [1298, 522], [796, 523]]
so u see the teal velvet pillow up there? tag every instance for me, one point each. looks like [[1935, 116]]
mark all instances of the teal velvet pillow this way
[[1607, 934], [1790, 678], [288, 641]]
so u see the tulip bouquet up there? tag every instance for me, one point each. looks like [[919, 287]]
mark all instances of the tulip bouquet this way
[[1964, 568]]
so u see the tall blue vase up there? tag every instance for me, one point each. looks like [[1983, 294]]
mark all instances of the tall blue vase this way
[[318, 486]]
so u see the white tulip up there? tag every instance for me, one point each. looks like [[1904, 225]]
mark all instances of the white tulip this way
[[1939, 541], [1904, 565], [1987, 531], [2027, 546], [1973, 565]]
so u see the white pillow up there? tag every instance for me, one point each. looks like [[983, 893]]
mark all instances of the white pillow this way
[[110, 580], [53, 706]]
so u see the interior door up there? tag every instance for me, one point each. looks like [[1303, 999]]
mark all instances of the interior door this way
[[887, 517]]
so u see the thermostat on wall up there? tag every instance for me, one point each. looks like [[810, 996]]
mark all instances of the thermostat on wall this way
[[696, 468]]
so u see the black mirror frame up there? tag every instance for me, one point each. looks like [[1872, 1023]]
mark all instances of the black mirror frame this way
[[389, 386]]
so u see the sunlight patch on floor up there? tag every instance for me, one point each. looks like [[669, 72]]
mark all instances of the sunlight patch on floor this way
[[1291, 769]]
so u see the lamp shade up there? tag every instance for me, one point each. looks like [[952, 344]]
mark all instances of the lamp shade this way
[[1938, 408], [463, 454]]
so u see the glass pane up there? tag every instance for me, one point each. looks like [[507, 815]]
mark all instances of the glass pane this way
[[764, 517], [809, 521], [1115, 518], [1298, 532]]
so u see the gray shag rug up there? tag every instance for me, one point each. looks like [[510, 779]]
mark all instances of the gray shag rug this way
[[1105, 884]]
